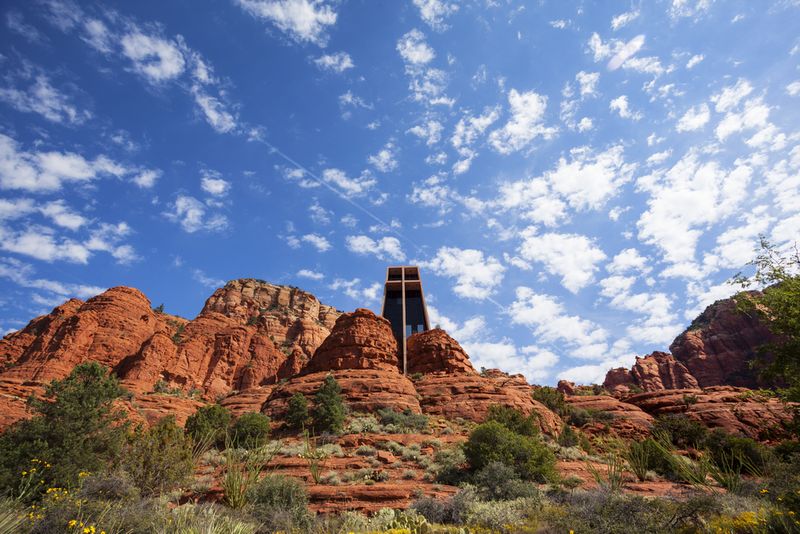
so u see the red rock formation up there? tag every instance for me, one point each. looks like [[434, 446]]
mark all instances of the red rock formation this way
[[720, 344], [361, 354], [566, 387], [735, 410], [654, 372], [435, 351], [629, 422]]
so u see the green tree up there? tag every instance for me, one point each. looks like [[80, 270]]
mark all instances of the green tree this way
[[250, 430], [515, 420], [159, 458], [329, 409], [552, 399], [493, 442], [778, 307], [297, 411], [75, 429], [209, 423]]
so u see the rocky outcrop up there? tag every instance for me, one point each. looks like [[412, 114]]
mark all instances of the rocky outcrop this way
[[716, 350], [248, 335], [627, 420], [720, 344], [654, 372], [361, 354], [435, 351], [735, 410]]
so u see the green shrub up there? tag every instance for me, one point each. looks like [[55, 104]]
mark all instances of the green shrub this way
[[568, 437], [682, 431], [115, 486], [493, 442], [497, 516], [514, 420], [329, 409], [405, 421], [366, 450], [580, 417], [280, 503], [553, 399], [363, 425], [297, 412], [611, 513], [742, 454], [448, 466], [75, 428], [209, 423], [639, 457], [500, 482], [250, 430], [159, 458]]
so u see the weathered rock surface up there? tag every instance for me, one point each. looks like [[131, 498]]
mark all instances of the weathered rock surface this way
[[249, 334], [654, 372], [735, 410], [361, 354], [715, 350], [629, 422], [435, 351]]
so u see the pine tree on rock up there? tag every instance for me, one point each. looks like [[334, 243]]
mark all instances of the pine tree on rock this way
[[297, 412], [329, 409]]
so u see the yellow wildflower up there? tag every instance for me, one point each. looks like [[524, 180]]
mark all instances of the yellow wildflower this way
[[72, 523], [764, 491]]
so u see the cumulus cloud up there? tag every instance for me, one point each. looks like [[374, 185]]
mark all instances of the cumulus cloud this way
[[754, 115], [434, 12], [573, 257], [317, 241], [302, 20], [730, 96], [467, 131], [23, 274], [351, 187], [311, 275], [385, 160], [430, 131], [214, 111], [193, 216], [476, 276], [694, 119], [525, 124], [356, 291], [147, 178], [623, 19], [625, 52], [694, 61], [42, 98], [213, 184], [621, 106], [414, 49], [156, 59], [338, 62], [383, 248]]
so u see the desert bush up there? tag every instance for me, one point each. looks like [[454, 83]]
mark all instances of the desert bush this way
[[682, 431], [206, 519], [783, 484], [114, 486], [740, 453], [331, 479], [609, 478], [552, 398], [579, 417], [329, 409], [209, 423], [568, 437], [448, 465], [609, 513], [159, 458], [500, 482], [250, 430], [297, 416], [639, 459], [74, 429], [453, 510], [514, 420], [280, 503], [366, 450], [496, 516], [493, 442], [367, 424], [242, 470], [405, 421], [409, 474]]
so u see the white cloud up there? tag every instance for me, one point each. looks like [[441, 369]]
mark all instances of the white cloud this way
[[319, 242], [44, 99], [319, 214], [22, 274], [97, 35], [467, 131], [476, 276], [214, 111], [526, 123], [354, 290], [48, 171], [62, 215], [551, 324], [730, 96], [585, 124], [587, 82], [352, 187], [573, 257], [625, 52], [623, 19], [311, 275], [754, 115], [694, 61], [793, 89], [385, 160], [42, 243], [338, 62], [414, 50], [16, 23], [383, 248], [208, 281], [620, 105], [434, 12], [213, 184], [628, 260], [191, 214], [156, 59], [107, 238], [302, 20], [689, 8], [430, 131], [147, 178], [694, 119]]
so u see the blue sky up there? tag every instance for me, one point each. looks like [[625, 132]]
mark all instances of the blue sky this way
[[576, 181]]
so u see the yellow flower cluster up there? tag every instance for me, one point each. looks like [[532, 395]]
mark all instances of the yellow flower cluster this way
[[83, 528]]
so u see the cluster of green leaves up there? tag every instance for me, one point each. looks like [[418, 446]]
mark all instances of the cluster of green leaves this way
[[214, 424], [405, 421], [514, 420], [527, 455]]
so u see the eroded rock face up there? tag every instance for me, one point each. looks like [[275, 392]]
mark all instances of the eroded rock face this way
[[630, 421], [249, 334], [719, 345], [735, 410], [361, 354], [434, 351], [654, 372]]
